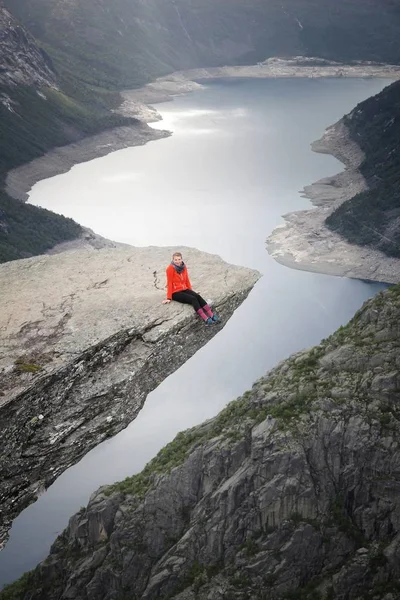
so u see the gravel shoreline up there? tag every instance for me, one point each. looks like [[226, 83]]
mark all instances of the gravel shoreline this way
[[304, 242]]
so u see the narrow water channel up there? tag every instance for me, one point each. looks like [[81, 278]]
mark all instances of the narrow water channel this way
[[239, 155]]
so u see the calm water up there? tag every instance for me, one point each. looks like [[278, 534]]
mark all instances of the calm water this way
[[238, 157]]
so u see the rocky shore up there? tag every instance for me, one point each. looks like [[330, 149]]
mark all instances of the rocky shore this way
[[84, 339], [304, 242]]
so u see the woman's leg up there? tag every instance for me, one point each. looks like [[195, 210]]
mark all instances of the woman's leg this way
[[203, 304], [189, 298]]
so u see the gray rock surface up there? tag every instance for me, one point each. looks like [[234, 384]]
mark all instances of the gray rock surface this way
[[84, 339], [291, 492], [22, 62], [304, 241]]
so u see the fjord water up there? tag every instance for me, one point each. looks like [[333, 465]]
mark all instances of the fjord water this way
[[239, 154]]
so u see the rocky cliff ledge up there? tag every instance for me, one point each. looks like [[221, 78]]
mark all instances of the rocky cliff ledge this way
[[290, 492], [84, 339], [305, 242]]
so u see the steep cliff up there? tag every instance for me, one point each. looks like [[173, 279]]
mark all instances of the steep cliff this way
[[84, 340], [292, 492]]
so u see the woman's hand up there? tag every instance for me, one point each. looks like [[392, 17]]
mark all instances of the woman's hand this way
[[166, 301]]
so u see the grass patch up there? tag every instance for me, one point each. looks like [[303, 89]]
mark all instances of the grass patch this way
[[291, 410], [250, 547], [176, 452], [18, 589], [24, 367]]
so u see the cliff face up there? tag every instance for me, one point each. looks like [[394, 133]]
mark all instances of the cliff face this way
[[80, 353], [291, 492]]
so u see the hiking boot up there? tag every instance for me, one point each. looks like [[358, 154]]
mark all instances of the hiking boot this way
[[216, 319], [209, 321]]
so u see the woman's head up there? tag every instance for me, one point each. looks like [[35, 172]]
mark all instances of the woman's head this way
[[177, 258]]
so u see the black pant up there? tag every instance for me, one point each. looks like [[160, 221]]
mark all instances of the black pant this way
[[190, 297]]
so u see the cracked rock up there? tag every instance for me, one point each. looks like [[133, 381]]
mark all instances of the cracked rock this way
[[85, 337]]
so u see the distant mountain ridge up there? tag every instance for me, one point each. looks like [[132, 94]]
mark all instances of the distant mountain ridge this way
[[128, 42]]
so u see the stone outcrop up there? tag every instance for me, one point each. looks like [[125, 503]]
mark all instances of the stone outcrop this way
[[305, 242], [84, 339], [291, 492]]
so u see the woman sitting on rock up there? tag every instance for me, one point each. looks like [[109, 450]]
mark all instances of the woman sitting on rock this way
[[179, 288]]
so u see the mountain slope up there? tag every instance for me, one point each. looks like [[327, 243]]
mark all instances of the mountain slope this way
[[372, 218], [128, 42], [292, 492], [24, 117]]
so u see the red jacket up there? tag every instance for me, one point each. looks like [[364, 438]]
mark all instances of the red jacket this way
[[177, 282]]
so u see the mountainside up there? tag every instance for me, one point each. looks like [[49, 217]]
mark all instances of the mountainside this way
[[372, 218], [291, 492], [128, 42], [24, 69]]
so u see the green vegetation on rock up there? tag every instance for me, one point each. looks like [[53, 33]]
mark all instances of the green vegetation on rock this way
[[18, 589], [39, 122], [27, 230]]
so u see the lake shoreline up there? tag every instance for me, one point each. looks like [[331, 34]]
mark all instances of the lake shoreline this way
[[304, 242], [19, 181], [138, 103]]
